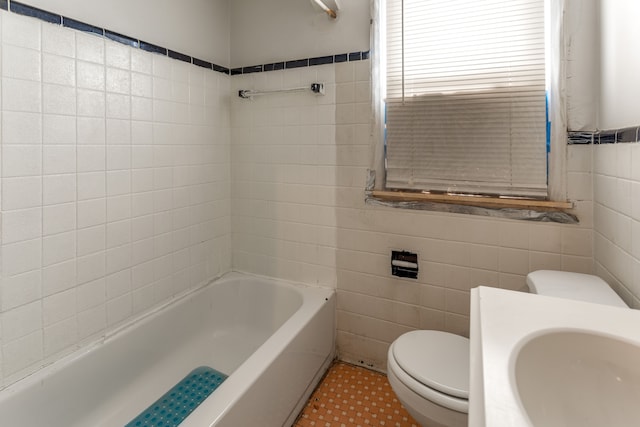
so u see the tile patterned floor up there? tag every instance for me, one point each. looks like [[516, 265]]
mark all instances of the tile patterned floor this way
[[351, 396]]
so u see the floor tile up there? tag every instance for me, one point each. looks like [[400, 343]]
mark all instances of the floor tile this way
[[351, 396]]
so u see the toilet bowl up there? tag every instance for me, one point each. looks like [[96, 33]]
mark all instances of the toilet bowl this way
[[429, 370]]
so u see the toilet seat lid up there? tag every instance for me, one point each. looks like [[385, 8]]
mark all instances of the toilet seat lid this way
[[439, 360]]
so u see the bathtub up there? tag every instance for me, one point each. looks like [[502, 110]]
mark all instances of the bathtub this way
[[273, 339]]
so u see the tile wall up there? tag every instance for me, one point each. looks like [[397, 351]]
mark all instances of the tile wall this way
[[299, 169], [117, 168], [617, 217], [115, 187], [283, 176]]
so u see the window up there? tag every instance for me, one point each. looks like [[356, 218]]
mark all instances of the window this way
[[466, 103]]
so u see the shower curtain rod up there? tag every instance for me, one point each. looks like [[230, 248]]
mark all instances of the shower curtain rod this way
[[317, 88], [332, 13]]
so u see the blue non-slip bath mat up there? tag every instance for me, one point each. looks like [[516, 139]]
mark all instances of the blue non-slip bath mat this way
[[176, 404]]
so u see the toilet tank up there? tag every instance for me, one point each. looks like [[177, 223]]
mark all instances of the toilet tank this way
[[576, 286]]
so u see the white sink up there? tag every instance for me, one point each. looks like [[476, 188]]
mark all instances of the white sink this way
[[578, 378], [543, 361]]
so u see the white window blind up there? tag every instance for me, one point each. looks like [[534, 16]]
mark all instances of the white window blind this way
[[466, 101]]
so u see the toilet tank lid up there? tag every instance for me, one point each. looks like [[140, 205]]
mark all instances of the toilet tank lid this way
[[575, 286]]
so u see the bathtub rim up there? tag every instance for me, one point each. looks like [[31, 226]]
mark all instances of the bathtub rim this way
[[272, 347], [52, 367]]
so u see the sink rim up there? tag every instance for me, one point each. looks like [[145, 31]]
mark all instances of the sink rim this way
[[501, 319], [555, 330]]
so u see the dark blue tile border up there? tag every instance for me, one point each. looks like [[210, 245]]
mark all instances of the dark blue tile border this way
[[153, 48], [23, 9], [121, 39], [179, 56], [627, 135], [298, 63], [305, 62], [44, 15], [580, 138], [606, 137], [273, 67], [81, 26], [611, 136], [343, 57], [220, 69], [321, 60], [252, 69], [201, 63]]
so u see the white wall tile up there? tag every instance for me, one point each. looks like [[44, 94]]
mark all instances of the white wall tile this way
[[91, 131], [58, 41], [91, 76], [90, 48], [118, 55], [21, 160], [91, 103], [21, 257], [118, 106], [58, 159], [141, 85], [118, 81], [118, 208], [58, 218], [92, 321], [69, 243], [57, 189], [91, 294], [21, 321], [58, 129], [58, 248], [58, 307], [58, 70], [58, 99], [90, 267], [21, 353], [118, 157], [91, 240], [91, 158], [118, 132], [118, 259], [60, 336], [118, 233], [21, 225], [119, 309], [118, 182], [21, 63], [91, 212], [118, 284], [21, 289], [18, 31], [21, 95], [21, 128], [141, 62]]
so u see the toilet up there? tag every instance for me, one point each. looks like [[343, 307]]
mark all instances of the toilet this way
[[429, 370]]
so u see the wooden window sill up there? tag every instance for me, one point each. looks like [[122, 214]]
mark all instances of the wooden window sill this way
[[497, 207], [481, 201]]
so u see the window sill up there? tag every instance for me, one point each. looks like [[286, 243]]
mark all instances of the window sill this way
[[525, 209]]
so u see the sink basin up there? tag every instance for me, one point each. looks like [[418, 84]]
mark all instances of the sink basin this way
[[577, 378]]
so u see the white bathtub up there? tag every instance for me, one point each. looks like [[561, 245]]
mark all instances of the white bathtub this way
[[273, 339]]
